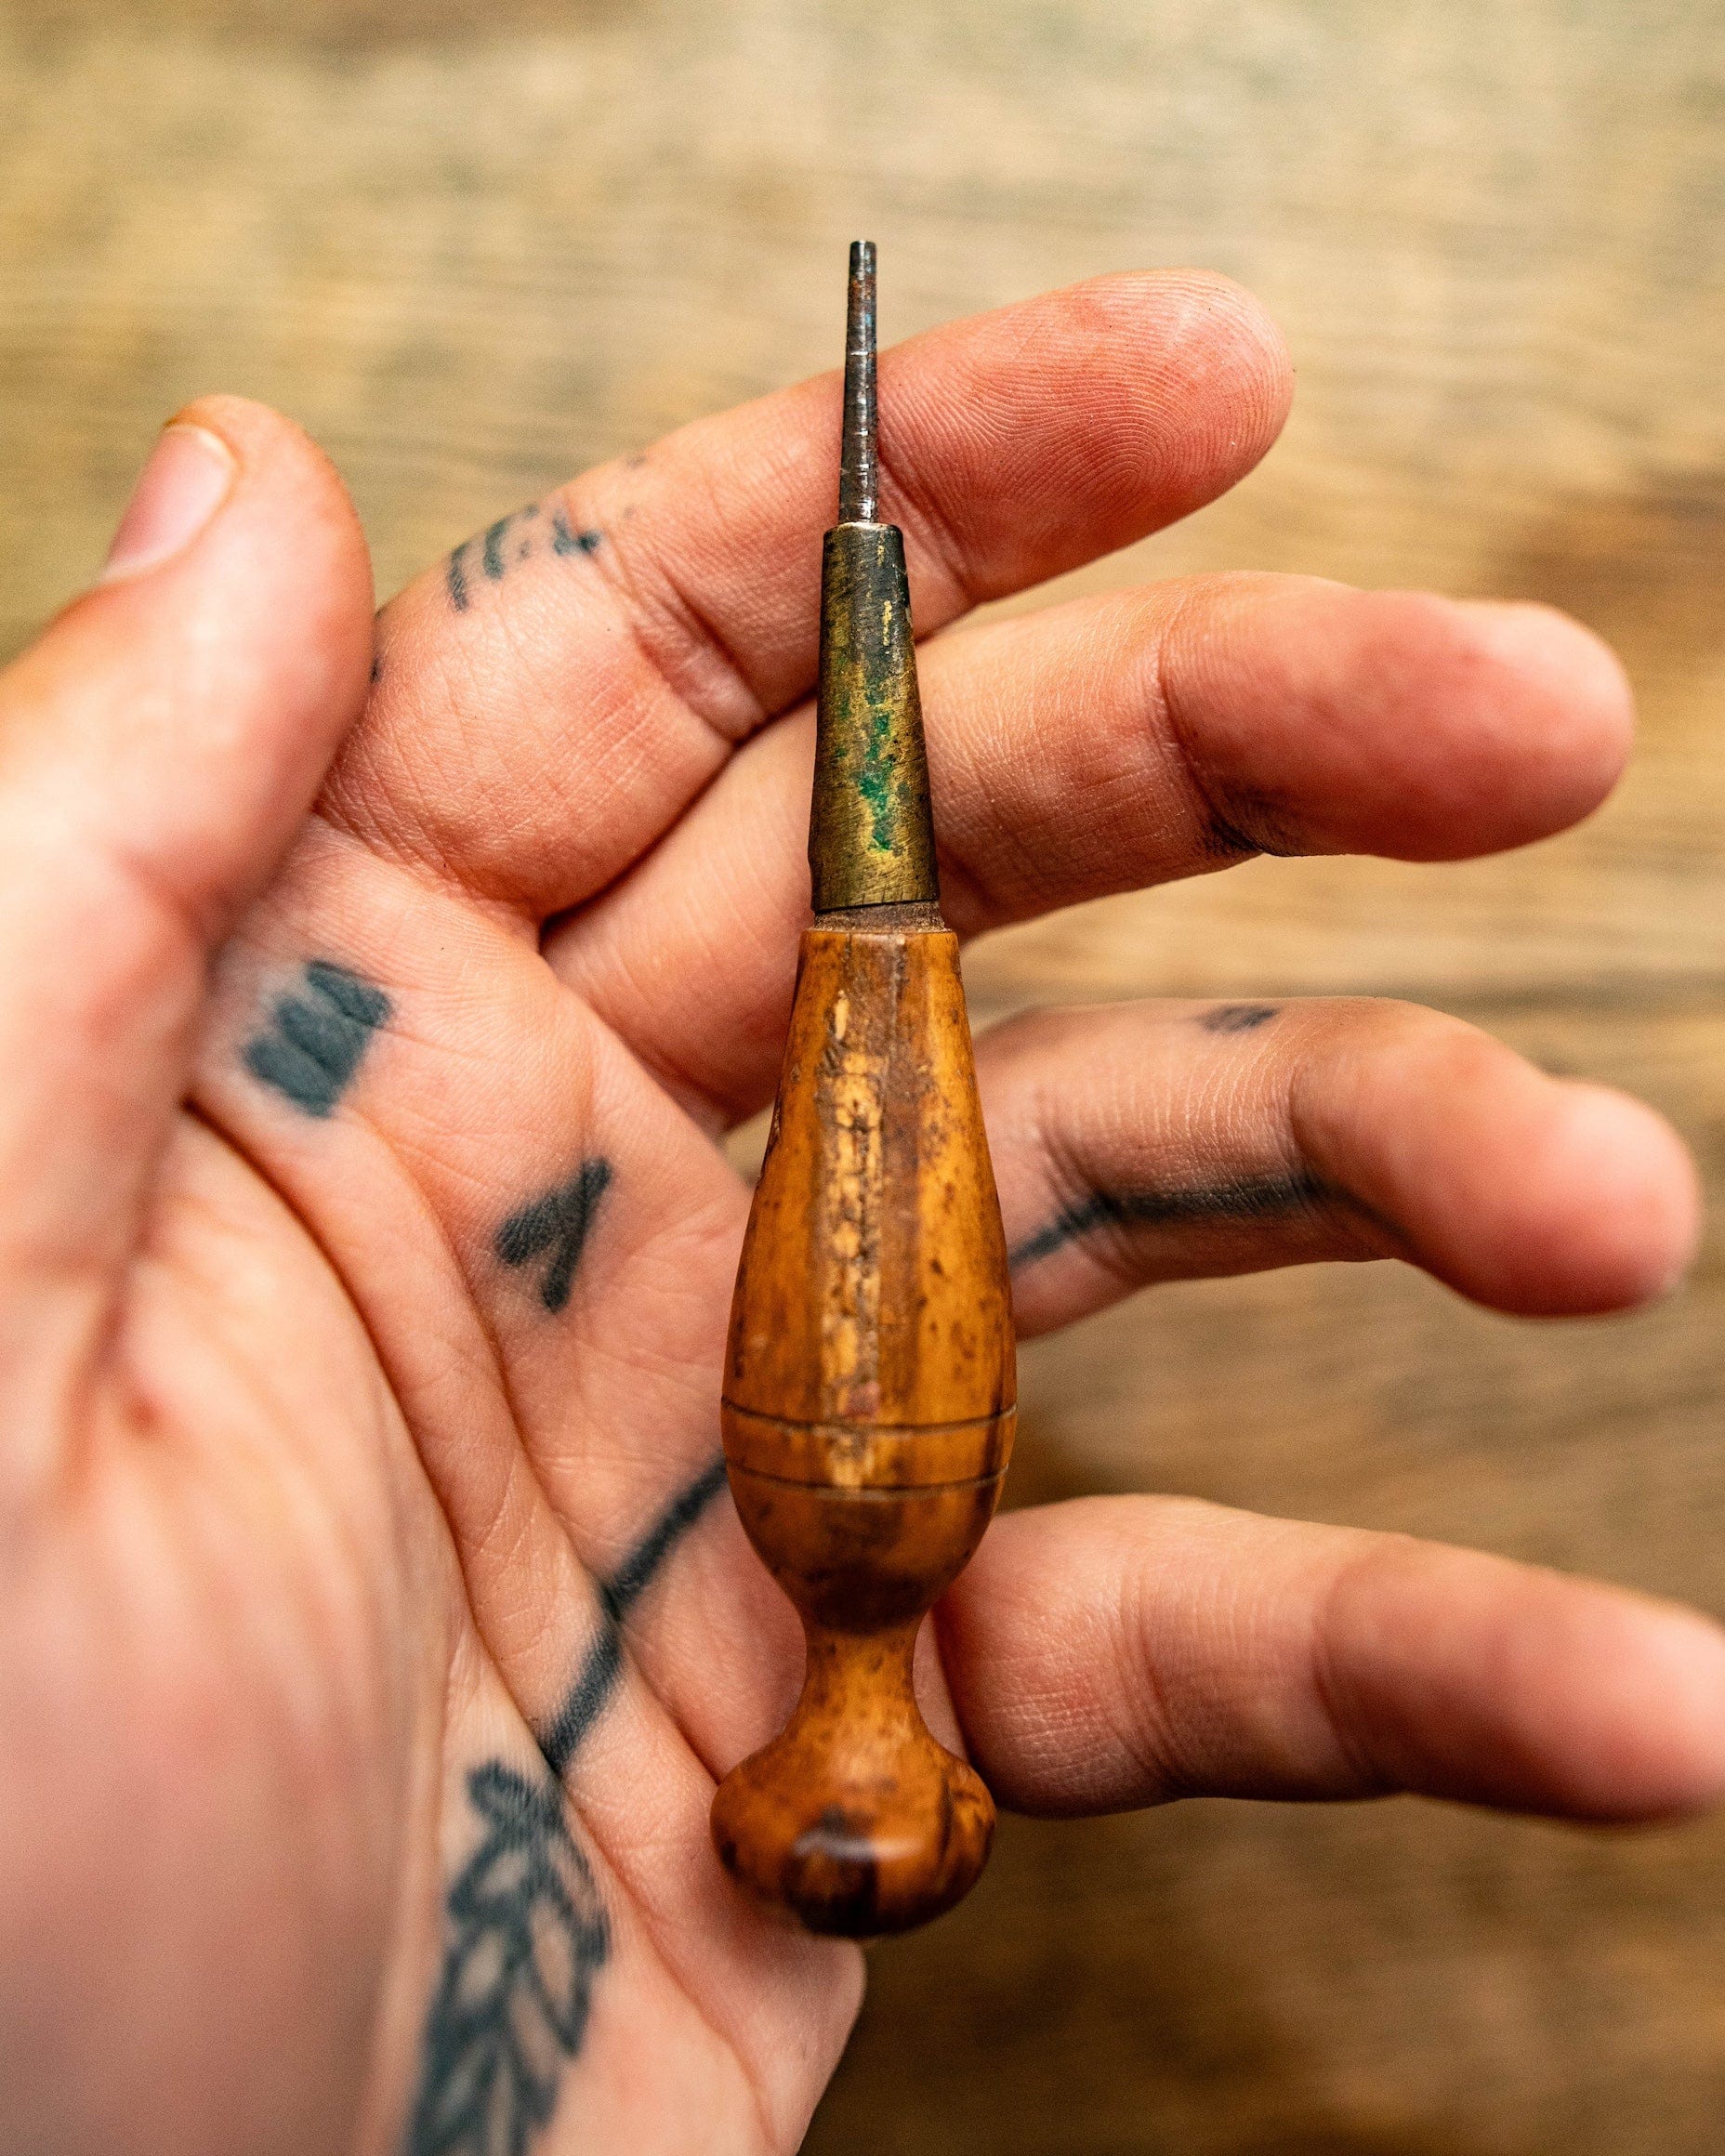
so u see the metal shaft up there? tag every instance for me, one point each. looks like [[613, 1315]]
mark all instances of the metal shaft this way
[[859, 462], [871, 836]]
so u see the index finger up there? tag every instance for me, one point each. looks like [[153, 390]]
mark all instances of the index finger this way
[[552, 696]]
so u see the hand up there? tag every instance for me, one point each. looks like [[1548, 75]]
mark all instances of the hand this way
[[374, 1624]]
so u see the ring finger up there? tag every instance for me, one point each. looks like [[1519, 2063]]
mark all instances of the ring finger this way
[[1156, 1141]]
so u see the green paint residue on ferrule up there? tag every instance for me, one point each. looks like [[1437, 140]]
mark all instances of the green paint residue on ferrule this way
[[875, 776], [869, 839]]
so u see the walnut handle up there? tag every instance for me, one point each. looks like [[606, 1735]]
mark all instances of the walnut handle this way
[[867, 1414]]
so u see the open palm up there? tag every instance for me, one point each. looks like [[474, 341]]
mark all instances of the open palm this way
[[374, 1624]]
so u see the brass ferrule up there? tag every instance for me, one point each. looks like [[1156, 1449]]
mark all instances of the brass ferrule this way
[[871, 836]]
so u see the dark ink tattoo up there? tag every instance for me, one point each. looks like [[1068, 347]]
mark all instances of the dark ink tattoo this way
[[603, 1666], [458, 578], [529, 1933], [565, 540], [314, 1043], [635, 1574], [1251, 1198], [1238, 1018], [492, 556], [512, 2000], [585, 1699], [558, 1223], [503, 545]]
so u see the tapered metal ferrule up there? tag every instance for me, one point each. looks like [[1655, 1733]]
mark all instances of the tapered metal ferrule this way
[[870, 835]]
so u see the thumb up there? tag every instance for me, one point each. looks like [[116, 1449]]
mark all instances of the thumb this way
[[159, 747]]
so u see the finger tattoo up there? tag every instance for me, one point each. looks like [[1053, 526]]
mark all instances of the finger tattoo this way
[[528, 1933], [558, 1225], [528, 1936], [314, 1043], [1245, 1198], [1238, 1018], [520, 537]]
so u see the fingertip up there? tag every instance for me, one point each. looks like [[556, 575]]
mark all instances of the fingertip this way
[[282, 550], [1425, 728], [248, 427], [182, 713], [189, 475], [1472, 1678], [292, 513], [1532, 712], [1639, 1711], [1222, 355], [1535, 1195], [1565, 687], [1614, 1206], [1684, 1675], [294, 490], [1188, 323], [1098, 413]]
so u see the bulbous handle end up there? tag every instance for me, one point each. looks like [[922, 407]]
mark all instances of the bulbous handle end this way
[[854, 1818]]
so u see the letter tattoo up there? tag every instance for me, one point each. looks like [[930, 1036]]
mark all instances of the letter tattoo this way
[[314, 1044], [558, 1223]]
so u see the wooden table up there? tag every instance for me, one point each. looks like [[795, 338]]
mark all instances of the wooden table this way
[[473, 247]]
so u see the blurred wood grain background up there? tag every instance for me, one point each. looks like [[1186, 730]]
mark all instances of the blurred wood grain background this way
[[474, 246]]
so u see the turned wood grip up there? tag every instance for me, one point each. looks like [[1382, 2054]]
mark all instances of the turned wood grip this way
[[868, 1413]]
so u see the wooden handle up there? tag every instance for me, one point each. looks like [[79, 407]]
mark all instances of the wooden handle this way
[[868, 1415]]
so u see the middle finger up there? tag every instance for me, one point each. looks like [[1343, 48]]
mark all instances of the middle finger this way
[[1109, 745]]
